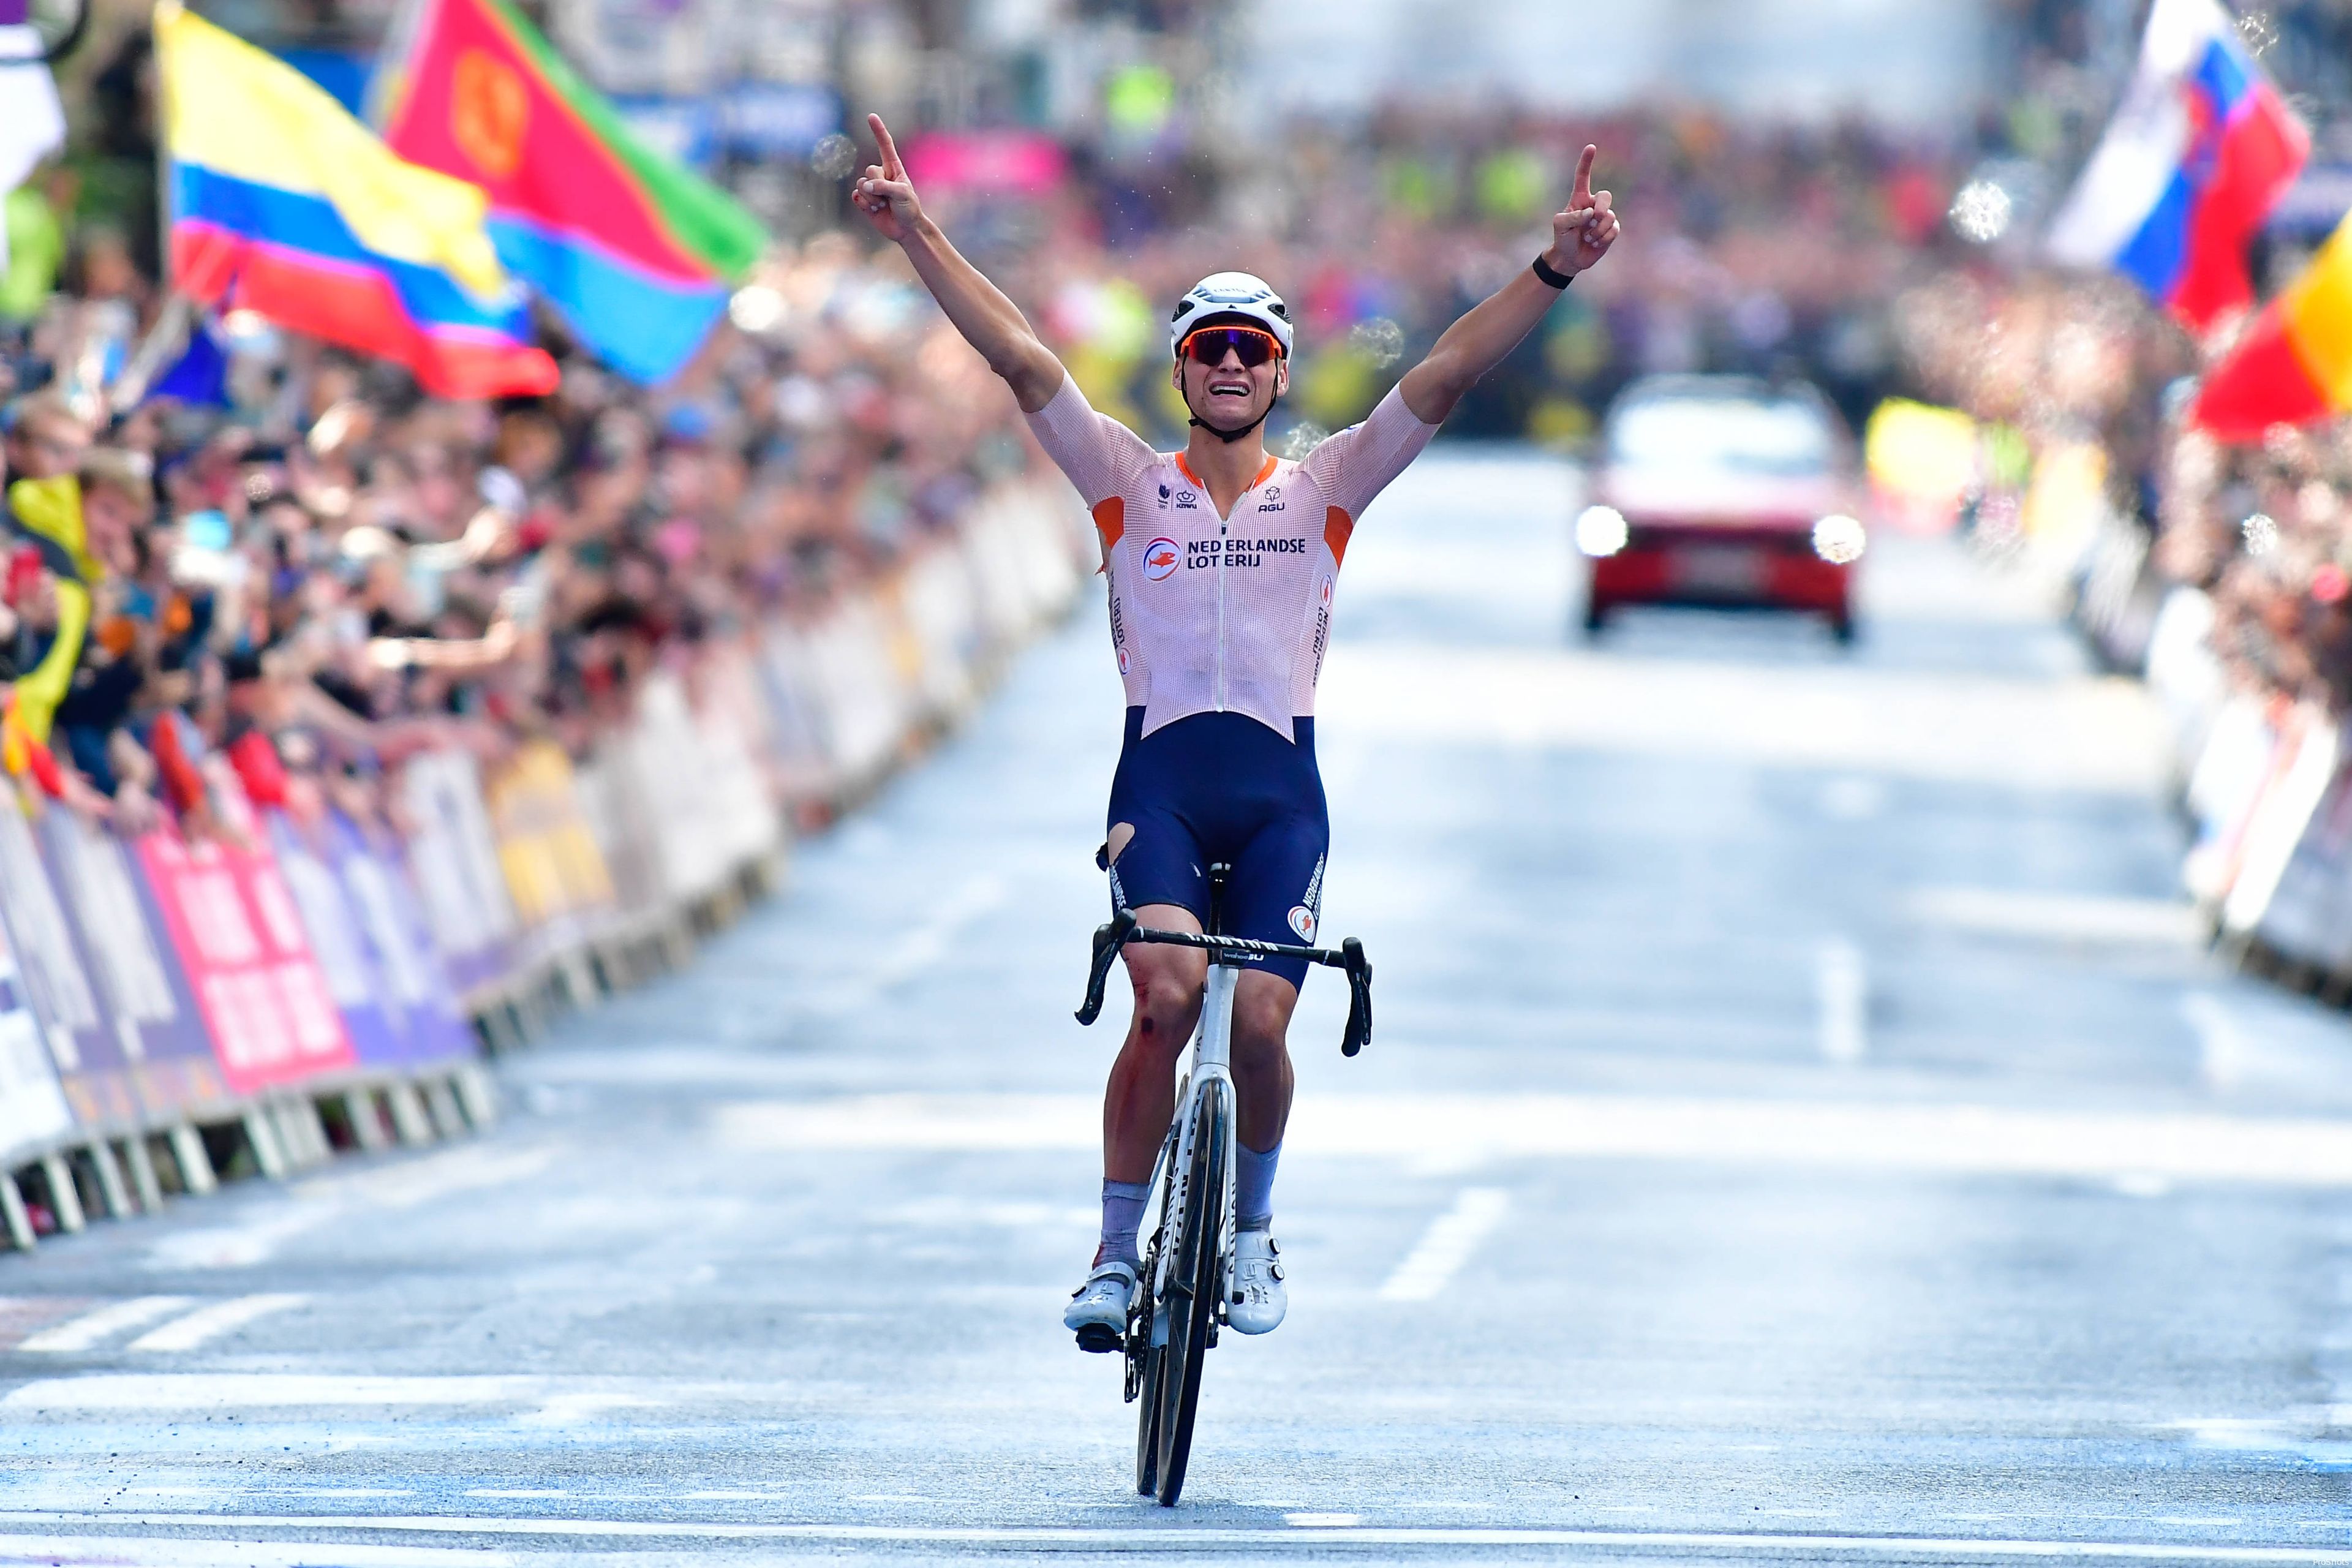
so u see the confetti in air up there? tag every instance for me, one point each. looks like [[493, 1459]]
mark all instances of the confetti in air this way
[[1379, 340], [1980, 212], [834, 157]]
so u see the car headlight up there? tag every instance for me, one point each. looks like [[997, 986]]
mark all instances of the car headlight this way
[[1600, 531], [1839, 539]]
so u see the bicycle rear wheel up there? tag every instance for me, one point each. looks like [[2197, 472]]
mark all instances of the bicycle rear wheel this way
[[1193, 1284]]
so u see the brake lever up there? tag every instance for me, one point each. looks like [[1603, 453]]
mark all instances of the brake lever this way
[[1108, 940], [1359, 1032]]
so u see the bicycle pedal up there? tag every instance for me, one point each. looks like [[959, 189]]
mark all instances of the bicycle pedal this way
[[1099, 1339]]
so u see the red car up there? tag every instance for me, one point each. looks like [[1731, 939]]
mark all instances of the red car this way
[[1722, 490]]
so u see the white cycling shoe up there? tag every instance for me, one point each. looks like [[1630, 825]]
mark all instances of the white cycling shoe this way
[[1258, 1298], [1097, 1309]]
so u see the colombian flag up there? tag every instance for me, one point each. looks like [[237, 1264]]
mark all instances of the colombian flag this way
[[639, 254], [2295, 363], [284, 205]]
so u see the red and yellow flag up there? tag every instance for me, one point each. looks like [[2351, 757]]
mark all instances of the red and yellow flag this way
[[2293, 366]]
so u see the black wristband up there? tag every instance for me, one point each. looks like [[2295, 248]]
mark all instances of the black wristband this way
[[1548, 277]]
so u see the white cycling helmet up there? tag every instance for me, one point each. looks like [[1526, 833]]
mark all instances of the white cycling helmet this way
[[1230, 294]]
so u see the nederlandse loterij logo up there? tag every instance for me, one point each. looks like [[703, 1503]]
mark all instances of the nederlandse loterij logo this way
[[1160, 558]]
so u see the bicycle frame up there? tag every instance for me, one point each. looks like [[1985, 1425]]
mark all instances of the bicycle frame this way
[[1212, 1057]]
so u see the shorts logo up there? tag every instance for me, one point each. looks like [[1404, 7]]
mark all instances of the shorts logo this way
[[1161, 559], [1302, 920]]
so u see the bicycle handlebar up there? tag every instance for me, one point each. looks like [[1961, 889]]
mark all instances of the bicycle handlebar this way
[[1123, 928]]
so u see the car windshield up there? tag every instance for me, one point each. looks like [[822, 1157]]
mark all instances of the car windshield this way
[[1734, 434]]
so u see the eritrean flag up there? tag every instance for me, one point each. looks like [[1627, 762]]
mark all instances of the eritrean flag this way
[[637, 253], [284, 205]]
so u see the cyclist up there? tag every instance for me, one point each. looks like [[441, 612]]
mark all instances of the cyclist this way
[[1221, 562]]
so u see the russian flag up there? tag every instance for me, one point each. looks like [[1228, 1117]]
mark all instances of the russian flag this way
[[2201, 150]]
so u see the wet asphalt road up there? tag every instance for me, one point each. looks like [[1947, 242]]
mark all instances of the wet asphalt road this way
[[1802, 1126]]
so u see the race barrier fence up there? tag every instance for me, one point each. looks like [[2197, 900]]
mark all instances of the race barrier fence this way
[[177, 1008], [2264, 782]]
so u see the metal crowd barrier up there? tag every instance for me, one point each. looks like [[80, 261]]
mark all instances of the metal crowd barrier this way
[[173, 1012]]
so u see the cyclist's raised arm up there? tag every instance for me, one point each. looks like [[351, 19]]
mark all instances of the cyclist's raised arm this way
[[1581, 236], [989, 321]]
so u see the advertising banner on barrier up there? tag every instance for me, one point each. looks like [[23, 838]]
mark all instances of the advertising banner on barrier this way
[[238, 932], [392, 919], [554, 871], [90, 1065], [455, 862], [2309, 916], [371, 942], [800, 755], [142, 987], [376, 1026], [33, 1109]]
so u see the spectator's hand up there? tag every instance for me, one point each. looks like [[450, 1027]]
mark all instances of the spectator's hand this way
[[135, 811], [1582, 234], [883, 193]]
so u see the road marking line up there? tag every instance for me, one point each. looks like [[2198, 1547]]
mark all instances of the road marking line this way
[[2223, 1049], [912, 952], [220, 1318], [80, 1333], [1725, 1543], [143, 1392], [2060, 917], [1843, 990], [131, 1551], [1447, 1245], [308, 1204], [1849, 1133]]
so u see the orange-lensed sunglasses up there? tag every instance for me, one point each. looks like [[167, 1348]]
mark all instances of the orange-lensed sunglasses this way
[[1208, 345]]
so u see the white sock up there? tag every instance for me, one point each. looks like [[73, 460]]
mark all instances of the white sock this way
[[1122, 1217], [1254, 1186]]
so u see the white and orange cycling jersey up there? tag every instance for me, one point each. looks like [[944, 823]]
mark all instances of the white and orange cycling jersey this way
[[1213, 614]]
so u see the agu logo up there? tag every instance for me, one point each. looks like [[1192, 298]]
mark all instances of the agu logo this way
[[1161, 559]]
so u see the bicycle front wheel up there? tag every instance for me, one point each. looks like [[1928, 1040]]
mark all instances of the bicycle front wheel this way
[[1193, 1284]]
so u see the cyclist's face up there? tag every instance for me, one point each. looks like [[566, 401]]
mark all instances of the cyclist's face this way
[[1230, 392]]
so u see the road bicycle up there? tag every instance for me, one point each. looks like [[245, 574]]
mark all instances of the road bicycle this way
[[1186, 1280]]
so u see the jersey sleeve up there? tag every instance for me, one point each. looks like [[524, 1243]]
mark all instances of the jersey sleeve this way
[[1100, 455], [1358, 463]]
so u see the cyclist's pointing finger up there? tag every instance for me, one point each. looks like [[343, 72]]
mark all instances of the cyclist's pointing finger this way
[[891, 167], [1580, 195]]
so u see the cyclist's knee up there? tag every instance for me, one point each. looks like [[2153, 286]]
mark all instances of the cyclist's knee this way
[[1165, 1010], [1262, 1007]]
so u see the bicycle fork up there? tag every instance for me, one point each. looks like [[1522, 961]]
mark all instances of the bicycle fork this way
[[1212, 1051]]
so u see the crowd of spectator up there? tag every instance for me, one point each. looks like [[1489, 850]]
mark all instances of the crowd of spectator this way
[[324, 558], [1772, 248], [2061, 371], [321, 571]]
